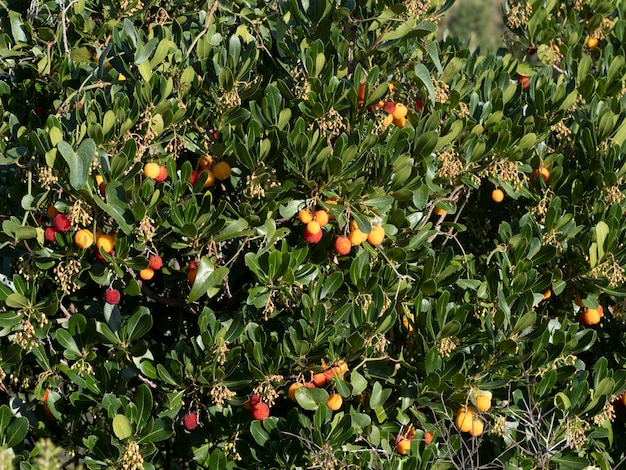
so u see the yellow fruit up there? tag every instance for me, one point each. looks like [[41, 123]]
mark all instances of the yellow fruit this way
[[121, 77], [305, 216], [151, 170], [376, 235], [221, 170], [106, 241], [464, 418], [408, 321], [547, 294], [439, 211], [291, 392], [403, 446], [313, 227], [388, 120], [206, 161], [400, 111], [483, 400], [477, 427], [146, 274], [343, 367], [592, 43], [321, 217], [357, 237], [334, 401], [497, 195], [590, 316], [83, 238]]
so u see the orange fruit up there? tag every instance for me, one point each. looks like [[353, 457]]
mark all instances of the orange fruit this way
[[408, 321], [400, 112], [334, 401], [192, 271], [313, 227], [403, 446], [305, 216], [439, 211], [578, 301], [343, 246], [321, 217], [401, 122], [320, 379], [547, 294], [106, 241], [464, 418], [83, 238], [497, 195], [146, 274], [483, 401], [590, 316], [343, 368], [151, 170], [540, 174], [221, 170], [428, 437], [45, 396], [477, 427], [210, 178], [592, 43], [291, 392], [357, 237], [205, 161], [52, 211], [376, 235]]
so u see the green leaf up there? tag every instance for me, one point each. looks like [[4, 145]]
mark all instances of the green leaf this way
[[311, 398], [16, 300], [602, 231], [122, 427], [207, 279], [137, 326], [79, 161], [423, 75], [144, 402], [16, 432], [117, 206], [160, 431], [258, 433]]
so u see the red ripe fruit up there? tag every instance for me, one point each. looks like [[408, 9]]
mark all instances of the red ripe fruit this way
[[312, 238], [156, 262], [260, 411], [190, 421], [61, 223], [193, 177], [49, 234], [524, 81], [389, 106], [343, 245], [112, 296], [162, 174]]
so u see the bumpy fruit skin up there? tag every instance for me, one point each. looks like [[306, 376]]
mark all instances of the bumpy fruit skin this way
[[334, 401], [146, 274], [61, 223], [321, 217], [112, 296], [291, 392], [403, 446], [390, 107], [156, 262], [190, 421], [464, 418], [260, 411], [320, 379], [50, 234], [221, 171], [83, 238], [151, 170], [162, 176], [497, 195], [343, 246], [376, 235], [592, 43], [313, 227], [312, 237], [305, 216], [357, 237]]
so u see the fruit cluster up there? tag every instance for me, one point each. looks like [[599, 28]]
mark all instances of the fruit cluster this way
[[467, 421], [316, 221], [321, 379], [210, 170]]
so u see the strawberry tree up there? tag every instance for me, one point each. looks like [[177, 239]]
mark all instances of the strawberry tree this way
[[304, 235]]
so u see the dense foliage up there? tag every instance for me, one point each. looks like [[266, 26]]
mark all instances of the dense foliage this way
[[205, 203]]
